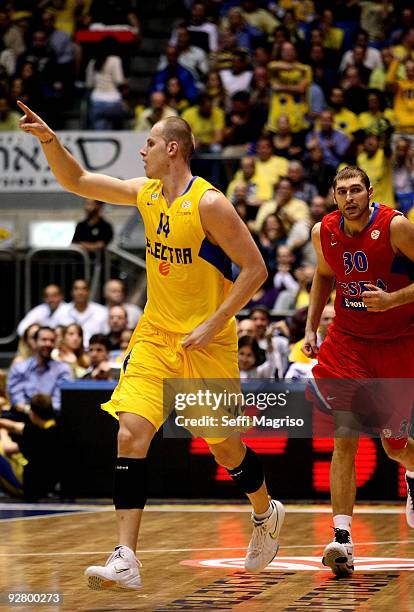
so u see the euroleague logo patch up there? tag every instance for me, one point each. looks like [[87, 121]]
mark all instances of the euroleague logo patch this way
[[186, 204], [375, 234], [164, 268], [367, 564]]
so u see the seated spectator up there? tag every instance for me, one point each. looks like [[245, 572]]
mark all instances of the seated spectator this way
[[245, 34], [93, 232], [105, 79], [333, 143], [376, 161], [344, 120], [375, 17], [9, 119], [117, 322], [70, 350], [259, 189], [403, 105], [260, 92], [403, 174], [259, 18], [377, 119], [318, 209], [91, 316], [222, 59], [63, 48], [371, 57], [207, 124], [39, 442], [323, 74], [271, 236], [268, 165], [157, 111], [174, 69], [203, 33], [260, 315], [175, 96], [285, 143], [114, 295], [303, 189], [332, 36], [246, 327], [289, 209], [49, 314], [38, 374], [284, 281], [290, 80], [27, 344], [192, 58], [214, 88], [99, 364], [378, 77], [251, 364], [354, 90], [242, 125], [405, 50], [126, 335], [300, 365], [318, 172], [11, 36], [239, 76], [403, 21]]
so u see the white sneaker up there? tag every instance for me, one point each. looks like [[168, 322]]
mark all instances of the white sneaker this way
[[263, 546], [339, 554], [409, 509], [121, 571]]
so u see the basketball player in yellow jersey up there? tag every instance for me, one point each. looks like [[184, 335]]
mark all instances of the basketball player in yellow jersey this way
[[187, 330]]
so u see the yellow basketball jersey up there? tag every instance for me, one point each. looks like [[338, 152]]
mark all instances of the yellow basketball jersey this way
[[188, 277]]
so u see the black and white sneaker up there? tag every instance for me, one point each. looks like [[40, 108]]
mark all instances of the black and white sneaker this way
[[409, 509], [339, 554]]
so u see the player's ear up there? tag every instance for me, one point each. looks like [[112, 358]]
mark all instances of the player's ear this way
[[172, 147], [370, 192]]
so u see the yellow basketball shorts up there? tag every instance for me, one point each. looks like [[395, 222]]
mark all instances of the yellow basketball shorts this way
[[157, 355]]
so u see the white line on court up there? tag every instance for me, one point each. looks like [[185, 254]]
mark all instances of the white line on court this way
[[189, 550]]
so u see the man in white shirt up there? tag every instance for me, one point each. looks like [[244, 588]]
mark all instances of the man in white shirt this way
[[50, 314], [114, 295], [191, 57], [91, 316]]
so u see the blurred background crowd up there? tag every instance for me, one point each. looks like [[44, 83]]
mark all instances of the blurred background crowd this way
[[279, 94]]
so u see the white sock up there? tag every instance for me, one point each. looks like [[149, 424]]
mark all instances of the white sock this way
[[264, 515], [343, 521], [410, 474]]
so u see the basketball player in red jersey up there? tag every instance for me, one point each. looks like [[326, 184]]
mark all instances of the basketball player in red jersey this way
[[368, 249]]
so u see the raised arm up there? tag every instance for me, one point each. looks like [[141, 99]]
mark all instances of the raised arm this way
[[70, 174], [224, 227], [320, 291]]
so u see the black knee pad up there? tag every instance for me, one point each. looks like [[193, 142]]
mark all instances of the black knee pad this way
[[130, 483], [249, 475]]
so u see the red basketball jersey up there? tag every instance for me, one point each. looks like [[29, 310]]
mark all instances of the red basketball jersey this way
[[366, 258]]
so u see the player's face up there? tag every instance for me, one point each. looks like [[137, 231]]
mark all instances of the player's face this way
[[247, 359], [154, 154], [352, 198]]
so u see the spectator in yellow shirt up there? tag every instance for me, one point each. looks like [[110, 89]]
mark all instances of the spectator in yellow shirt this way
[[270, 167], [206, 122], [258, 188], [376, 161], [403, 96]]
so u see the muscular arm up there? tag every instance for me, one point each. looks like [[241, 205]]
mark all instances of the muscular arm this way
[[224, 227], [70, 174], [320, 291], [402, 242]]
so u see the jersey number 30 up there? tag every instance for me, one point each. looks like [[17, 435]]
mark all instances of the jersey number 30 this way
[[357, 261]]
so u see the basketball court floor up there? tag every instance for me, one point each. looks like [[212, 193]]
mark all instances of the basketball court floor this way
[[193, 556]]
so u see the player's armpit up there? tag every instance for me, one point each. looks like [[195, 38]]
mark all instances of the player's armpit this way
[[323, 267]]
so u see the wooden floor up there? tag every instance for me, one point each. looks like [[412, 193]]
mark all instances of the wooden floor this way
[[193, 558]]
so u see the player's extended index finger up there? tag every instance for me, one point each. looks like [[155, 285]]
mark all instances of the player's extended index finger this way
[[26, 110]]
